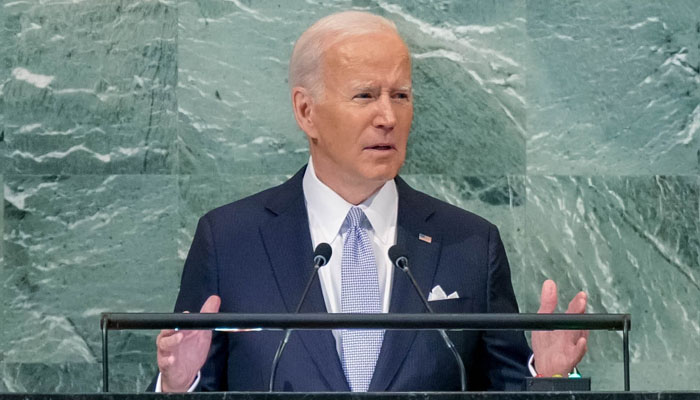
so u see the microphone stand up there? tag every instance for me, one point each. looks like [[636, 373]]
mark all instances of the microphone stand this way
[[402, 264], [319, 261]]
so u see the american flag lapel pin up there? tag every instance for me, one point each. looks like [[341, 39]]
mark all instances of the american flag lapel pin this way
[[425, 238]]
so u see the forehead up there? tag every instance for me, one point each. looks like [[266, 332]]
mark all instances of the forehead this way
[[376, 55]]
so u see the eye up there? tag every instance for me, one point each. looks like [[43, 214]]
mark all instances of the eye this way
[[401, 96], [363, 95]]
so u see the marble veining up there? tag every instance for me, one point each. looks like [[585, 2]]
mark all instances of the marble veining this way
[[77, 246], [617, 85], [89, 88], [573, 126], [632, 243]]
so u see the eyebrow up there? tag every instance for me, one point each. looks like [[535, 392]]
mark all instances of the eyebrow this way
[[363, 86]]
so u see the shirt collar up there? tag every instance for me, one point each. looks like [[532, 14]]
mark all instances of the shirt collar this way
[[329, 210]]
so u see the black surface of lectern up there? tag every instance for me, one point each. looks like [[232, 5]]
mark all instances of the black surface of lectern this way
[[241, 322], [363, 396]]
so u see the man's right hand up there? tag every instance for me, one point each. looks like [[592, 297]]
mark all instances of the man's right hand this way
[[181, 354]]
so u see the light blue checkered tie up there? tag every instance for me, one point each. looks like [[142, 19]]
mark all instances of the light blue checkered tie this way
[[359, 294]]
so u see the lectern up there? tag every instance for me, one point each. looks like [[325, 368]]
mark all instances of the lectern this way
[[233, 322]]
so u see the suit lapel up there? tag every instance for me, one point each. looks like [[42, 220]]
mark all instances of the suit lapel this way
[[413, 220], [287, 241]]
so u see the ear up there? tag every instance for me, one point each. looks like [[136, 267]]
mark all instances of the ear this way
[[302, 103]]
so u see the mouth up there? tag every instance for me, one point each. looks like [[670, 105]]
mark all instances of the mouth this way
[[381, 147]]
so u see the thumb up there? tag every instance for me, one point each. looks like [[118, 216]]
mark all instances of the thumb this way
[[580, 349], [211, 305], [548, 298]]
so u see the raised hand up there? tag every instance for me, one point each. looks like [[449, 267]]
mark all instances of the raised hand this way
[[181, 354], [558, 352]]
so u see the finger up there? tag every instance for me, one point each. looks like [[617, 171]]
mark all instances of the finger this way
[[548, 298], [576, 336], [167, 343], [580, 350], [211, 305], [165, 361], [577, 305], [572, 337], [159, 350], [165, 333]]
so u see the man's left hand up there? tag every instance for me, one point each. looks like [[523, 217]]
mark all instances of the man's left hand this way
[[558, 352]]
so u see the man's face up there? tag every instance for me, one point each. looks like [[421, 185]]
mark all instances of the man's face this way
[[362, 119]]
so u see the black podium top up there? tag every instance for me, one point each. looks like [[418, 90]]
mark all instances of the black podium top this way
[[362, 396]]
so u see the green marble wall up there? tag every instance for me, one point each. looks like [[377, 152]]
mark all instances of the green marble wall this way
[[573, 125]]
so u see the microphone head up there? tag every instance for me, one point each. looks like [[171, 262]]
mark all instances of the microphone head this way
[[322, 254], [397, 255]]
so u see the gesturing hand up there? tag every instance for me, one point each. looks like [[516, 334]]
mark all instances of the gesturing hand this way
[[181, 354], [558, 352]]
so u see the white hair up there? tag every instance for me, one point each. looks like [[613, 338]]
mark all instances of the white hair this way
[[305, 65]]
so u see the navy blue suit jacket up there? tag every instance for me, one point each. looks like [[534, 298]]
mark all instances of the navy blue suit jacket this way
[[256, 254]]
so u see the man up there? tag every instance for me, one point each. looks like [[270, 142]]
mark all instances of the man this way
[[350, 75]]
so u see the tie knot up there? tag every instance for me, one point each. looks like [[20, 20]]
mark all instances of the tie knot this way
[[356, 218]]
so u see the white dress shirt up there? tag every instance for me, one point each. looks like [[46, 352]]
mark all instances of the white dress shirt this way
[[327, 212]]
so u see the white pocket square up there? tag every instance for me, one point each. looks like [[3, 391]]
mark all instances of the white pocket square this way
[[438, 294]]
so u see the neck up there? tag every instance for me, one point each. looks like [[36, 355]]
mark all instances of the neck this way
[[352, 192]]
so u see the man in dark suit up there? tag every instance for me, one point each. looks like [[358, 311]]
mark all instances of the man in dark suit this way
[[350, 75]]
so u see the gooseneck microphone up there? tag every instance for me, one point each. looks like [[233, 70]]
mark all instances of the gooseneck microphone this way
[[322, 254], [398, 258]]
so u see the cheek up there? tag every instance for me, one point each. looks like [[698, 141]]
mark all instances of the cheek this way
[[409, 115], [406, 113], [405, 123]]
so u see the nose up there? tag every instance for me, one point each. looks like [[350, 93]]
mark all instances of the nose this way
[[386, 117]]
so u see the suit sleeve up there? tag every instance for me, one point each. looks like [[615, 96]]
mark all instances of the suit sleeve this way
[[199, 276], [506, 352]]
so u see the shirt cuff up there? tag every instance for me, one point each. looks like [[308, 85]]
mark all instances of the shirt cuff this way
[[530, 366], [159, 388]]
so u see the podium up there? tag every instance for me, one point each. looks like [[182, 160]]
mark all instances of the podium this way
[[245, 322], [362, 396]]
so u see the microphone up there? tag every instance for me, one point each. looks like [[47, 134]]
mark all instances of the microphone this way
[[398, 258], [322, 254]]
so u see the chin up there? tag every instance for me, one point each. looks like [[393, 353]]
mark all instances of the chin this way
[[383, 173]]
